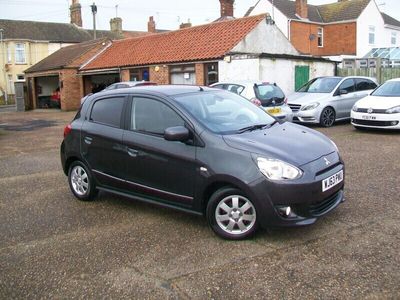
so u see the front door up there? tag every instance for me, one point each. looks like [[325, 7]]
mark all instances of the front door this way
[[345, 102], [101, 141], [160, 169]]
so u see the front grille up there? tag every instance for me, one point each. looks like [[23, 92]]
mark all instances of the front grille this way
[[374, 111], [328, 168], [374, 123], [317, 209], [294, 107]]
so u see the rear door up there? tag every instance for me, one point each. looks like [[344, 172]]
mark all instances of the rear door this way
[[364, 87], [159, 169], [101, 140]]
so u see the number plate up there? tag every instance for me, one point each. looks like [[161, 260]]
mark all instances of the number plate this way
[[331, 181], [368, 117], [274, 111]]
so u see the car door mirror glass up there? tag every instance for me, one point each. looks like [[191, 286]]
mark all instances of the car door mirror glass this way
[[343, 92], [176, 133]]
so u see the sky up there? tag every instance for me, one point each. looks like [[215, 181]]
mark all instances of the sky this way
[[134, 13]]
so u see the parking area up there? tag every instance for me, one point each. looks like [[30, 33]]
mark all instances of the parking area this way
[[53, 246]]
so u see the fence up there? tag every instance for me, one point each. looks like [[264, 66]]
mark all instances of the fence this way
[[381, 74]]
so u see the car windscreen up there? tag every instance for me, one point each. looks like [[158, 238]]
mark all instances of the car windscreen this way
[[388, 89], [320, 85], [223, 112], [268, 92]]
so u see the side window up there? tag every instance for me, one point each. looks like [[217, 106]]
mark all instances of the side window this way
[[218, 86], [108, 111], [152, 116], [347, 85], [364, 84]]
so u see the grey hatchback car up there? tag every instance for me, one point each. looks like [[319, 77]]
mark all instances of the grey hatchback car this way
[[205, 151], [325, 100]]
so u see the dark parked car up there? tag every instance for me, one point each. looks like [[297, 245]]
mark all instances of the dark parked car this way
[[127, 84], [205, 151]]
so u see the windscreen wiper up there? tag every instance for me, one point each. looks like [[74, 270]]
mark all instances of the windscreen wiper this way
[[252, 127]]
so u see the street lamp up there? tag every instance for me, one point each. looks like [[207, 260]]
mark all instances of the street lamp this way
[[3, 62]]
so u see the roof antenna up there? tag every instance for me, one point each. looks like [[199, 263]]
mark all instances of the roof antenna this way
[[201, 89], [116, 11]]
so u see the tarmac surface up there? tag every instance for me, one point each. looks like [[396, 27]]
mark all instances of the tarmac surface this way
[[54, 246]]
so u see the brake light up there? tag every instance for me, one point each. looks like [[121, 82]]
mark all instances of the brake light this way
[[255, 101], [67, 130]]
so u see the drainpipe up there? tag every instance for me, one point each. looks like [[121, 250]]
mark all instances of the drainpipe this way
[[3, 66], [289, 23]]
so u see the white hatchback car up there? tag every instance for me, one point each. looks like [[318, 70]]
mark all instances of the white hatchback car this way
[[381, 109], [265, 94]]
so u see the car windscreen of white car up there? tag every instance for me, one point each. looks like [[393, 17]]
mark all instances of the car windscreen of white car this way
[[388, 89], [320, 85], [223, 112]]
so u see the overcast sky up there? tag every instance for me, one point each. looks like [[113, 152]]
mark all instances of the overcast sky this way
[[135, 13]]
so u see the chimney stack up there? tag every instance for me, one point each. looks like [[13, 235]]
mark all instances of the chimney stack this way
[[151, 25], [302, 9], [116, 25], [185, 25], [76, 14], [226, 8]]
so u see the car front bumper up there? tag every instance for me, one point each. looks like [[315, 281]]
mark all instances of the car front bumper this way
[[306, 116], [305, 197], [385, 121]]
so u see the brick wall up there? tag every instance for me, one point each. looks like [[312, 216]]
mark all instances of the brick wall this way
[[338, 38], [159, 74], [199, 74], [71, 92]]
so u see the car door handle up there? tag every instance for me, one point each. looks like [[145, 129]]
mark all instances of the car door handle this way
[[88, 140], [133, 152]]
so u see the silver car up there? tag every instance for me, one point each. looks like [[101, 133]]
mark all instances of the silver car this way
[[325, 100], [267, 95]]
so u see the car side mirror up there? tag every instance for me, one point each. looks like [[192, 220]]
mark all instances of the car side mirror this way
[[176, 133], [343, 92]]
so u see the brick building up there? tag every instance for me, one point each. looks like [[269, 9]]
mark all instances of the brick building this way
[[346, 28]]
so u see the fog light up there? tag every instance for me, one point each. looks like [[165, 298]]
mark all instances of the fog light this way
[[394, 123], [284, 211]]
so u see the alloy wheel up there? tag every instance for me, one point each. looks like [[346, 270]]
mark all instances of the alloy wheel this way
[[327, 117], [79, 180]]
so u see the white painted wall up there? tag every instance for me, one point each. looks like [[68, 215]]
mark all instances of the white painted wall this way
[[53, 47], [280, 71], [264, 6], [265, 38], [371, 16]]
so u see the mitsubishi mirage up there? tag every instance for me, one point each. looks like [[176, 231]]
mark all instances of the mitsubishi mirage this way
[[204, 151], [325, 100]]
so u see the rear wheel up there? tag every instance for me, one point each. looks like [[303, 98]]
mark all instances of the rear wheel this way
[[81, 182], [328, 116], [231, 214]]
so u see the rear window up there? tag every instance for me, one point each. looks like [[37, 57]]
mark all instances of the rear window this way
[[388, 89], [108, 111], [268, 91], [364, 84]]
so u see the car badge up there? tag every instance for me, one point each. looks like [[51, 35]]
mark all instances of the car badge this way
[[327, 162], [370, 110]]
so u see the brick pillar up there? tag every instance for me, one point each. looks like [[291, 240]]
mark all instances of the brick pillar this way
[[70, 90], [200, 80], [34, 94], [159, 74], [125, 75]]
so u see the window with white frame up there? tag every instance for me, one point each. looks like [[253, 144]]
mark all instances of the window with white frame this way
[[20, 53], [9, 58], [394, 38], [20, 77], [371, 35], [320, 37]]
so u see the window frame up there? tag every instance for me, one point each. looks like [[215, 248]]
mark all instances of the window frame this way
[[393, 38], [320, 37], [23, 51], [122, 116], [371, 33]]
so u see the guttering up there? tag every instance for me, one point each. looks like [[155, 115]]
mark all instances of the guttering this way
[[99, 71]]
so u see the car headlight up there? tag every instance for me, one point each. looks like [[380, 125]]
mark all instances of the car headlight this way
[[310, 106], [275, 169], [355, 108], [393, 110]]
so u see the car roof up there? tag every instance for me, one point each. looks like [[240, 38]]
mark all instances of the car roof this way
[[167, 90], [243, 82], [394, 79]]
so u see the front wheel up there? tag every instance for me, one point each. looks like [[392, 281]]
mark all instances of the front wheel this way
[[328, 116], [81, 182], [231, 214]]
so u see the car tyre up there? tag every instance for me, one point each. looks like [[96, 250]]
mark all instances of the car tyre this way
[[81, 182], [231, 214], [328, 116]]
